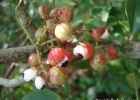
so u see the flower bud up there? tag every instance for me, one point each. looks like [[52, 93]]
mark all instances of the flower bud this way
[[63, 31], [98, 61], [83, 51], [100, 34], [33, 60], [58, 75], [111, 53], [43, 11], [59, 57], [65, 14], [41, 34], [39, 82], [29, 74]]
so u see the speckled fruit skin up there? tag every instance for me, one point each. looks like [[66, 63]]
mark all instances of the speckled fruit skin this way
[[43, 11], [111, 53], [58, 75], [98, 61], [33, 60], [65, 14]]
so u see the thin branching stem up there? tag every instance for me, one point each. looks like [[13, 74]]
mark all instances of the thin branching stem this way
[[135, 86], [17, 17], [52, 4]]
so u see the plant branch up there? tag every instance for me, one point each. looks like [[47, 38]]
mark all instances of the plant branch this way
[[12, 82], [22, 53], [18, 54], [24, 17], [22, 25]]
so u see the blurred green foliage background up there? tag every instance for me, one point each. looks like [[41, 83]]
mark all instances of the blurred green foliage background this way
[[120, 78]]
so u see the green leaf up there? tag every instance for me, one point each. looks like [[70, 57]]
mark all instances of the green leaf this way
[[111, 21], [117, 13], [42, 95], [33, 1], [101, 12], [82, 64], [92, 23], [14, 3], [91, 93], [132, 8], [31, 9]]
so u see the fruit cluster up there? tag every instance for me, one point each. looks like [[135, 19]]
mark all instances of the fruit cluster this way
[[59, 36]]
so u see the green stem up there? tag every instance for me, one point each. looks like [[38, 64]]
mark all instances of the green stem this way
[[45, 72], [23, 27], [52, 4], [96, 44], [98, 47], [135, 86], [38, 54], [49, 41], [88, 14]]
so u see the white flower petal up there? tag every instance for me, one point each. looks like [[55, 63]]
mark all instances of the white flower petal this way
[[105, 35], [29, 74], [39, 82]]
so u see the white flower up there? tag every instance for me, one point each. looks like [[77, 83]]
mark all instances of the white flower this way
[[39, 82], [29, 74]]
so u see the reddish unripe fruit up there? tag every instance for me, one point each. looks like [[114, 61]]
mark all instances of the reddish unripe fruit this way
[[98, 61], [43, 11], [58, 75], [111, 53], [41, 34], [99, 34], [89, 49], [33, 60], [55, 56], [59, 56], [65, 14], [69, 55], [95, 35]]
